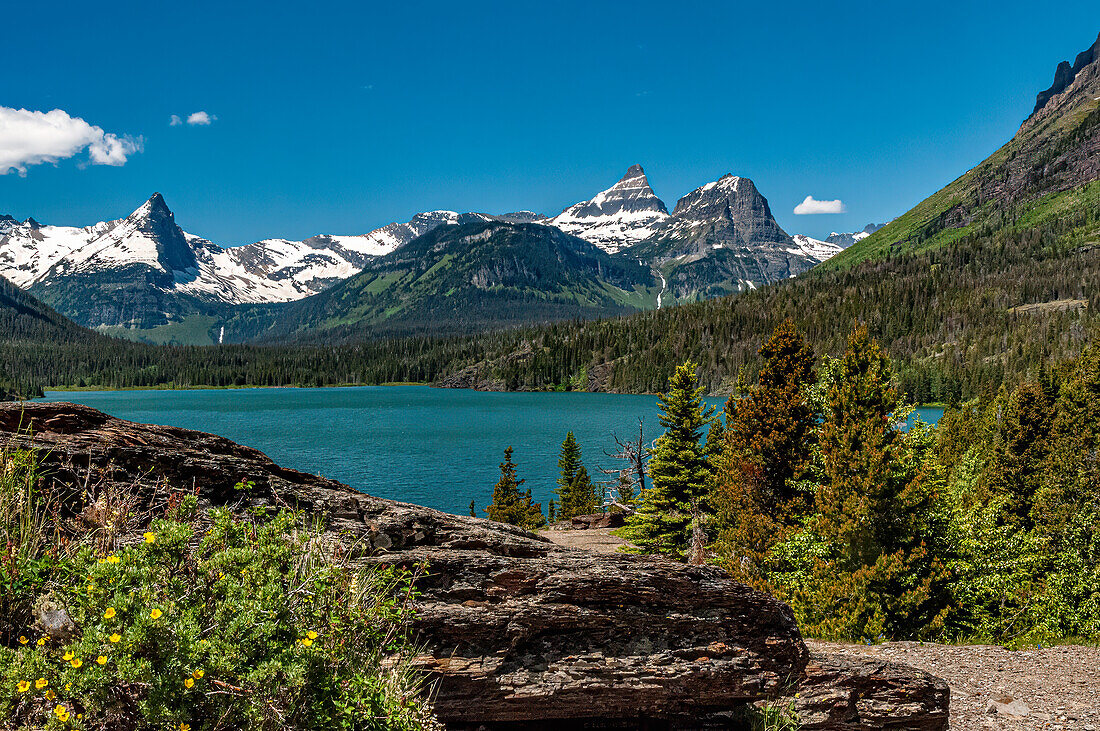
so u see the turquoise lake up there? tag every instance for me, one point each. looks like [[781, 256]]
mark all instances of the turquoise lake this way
[[430, 446]]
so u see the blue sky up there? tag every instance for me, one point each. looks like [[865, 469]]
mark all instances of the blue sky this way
[[341, 117]]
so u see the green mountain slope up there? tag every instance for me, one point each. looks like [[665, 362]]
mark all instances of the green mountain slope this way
[[465, 278], [1046, 171]]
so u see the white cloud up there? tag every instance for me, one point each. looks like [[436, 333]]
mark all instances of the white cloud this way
[[33, 138], [811, 206], [200, 118], [175, 121]]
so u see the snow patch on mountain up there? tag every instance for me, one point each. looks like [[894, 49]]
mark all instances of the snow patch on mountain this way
[[814, 248], [623, 215]]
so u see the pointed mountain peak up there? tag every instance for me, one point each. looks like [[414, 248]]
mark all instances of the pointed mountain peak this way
[[155, 207], [154, 222], [622, 215], [1065, 74]]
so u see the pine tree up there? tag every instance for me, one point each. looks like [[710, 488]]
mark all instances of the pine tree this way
[[679, 472], [875, 505], [569, 462], [509, 504], [766, 444], [1022, 447]]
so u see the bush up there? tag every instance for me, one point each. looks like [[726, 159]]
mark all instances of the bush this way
[[211, 622]]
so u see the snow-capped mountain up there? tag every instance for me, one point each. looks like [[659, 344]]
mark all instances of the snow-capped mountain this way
[[845, 240], [814, 248], [721, 238], [273, 270], [623, 215]]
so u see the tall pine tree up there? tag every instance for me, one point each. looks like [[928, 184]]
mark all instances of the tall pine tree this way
[[767, 444], [678, 471], [510, 505]]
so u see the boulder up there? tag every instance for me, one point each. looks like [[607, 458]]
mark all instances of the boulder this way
[[517, 632]]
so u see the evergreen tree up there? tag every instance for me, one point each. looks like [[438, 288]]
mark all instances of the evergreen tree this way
[[576, 493], [875, 510], [679, 472], [569, 461], [766, 444], [1021, 449], [509, 504]]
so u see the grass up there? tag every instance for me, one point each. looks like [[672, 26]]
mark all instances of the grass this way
[[192, 330]]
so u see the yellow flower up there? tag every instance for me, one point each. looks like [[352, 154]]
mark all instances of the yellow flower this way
[[185, 727], [91, 588], [311, 635], [115, 637], [155, 614], [68, 656], [102, 659], [197, 675], [58, 710], [41, 683], [50, 695], [23, 640], [76, 662], [41, 641], [189, 683], [63, 717], [23, 686], [113, 559], [110, 613], [306, 642], [150, 537]]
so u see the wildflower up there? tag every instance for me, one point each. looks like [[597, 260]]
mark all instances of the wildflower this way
[[23, 686], [311, 635], [63, 717], [155, 614], [115, 638], [306, 642], [91, 588], [189, 683], [23, 640], [113, 559], [41, 683], [59, 710], [76, 662], [68, 656], [102, 659], [150, 537], [110, 613], [197, 675], [185, 727], [41, 641], [50, 695]]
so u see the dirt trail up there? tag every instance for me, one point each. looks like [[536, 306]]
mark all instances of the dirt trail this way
[[1060, 686]]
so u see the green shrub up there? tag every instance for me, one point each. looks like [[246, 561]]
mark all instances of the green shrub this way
[[218, 621]]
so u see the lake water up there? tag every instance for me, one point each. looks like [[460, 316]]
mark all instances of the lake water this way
[[430, 446]]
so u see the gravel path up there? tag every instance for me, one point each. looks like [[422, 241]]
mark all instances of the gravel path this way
[[599, 540], [1060, 686]]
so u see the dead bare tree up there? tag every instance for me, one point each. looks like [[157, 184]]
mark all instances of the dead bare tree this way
[[632, 474]]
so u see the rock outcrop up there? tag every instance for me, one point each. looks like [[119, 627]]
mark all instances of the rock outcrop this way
[[518, 632], [1064, 74]]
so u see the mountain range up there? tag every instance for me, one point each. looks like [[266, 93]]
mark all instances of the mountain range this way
[[144, 277]]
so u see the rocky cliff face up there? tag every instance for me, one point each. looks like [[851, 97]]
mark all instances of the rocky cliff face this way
[[519, 633], [722, 238], [1065, 74]]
